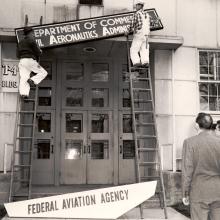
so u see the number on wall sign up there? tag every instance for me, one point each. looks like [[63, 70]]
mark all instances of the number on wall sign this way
[[9, 69]]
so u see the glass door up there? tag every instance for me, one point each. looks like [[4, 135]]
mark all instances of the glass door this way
[[100, 149], [44, 146], [74, 147], [86, 123]]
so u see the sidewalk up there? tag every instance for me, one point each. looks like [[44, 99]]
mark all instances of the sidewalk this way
[[149, 214], [154, 214]]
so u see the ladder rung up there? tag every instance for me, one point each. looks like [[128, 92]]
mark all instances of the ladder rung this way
[[147, 163], [145, 136], [141, 89], [143, 112], [141, 79], [21, 180], [27, 112], [22, 152], [142, 100], [24, 137], [22, 165], [150, 200], [133, 69], [144, 124], [20, 195], [149, 177], [29, 100], [27, 125], [148, 149]]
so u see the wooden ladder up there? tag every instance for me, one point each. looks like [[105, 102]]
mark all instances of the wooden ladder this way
[[147, 150], [21, 174]]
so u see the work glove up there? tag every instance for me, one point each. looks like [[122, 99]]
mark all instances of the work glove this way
[[186, 200]]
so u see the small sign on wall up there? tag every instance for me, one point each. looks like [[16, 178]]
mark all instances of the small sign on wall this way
[[10, 76]]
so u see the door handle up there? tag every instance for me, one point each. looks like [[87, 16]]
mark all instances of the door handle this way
[[84, 149], [120, 149], [52, 149], [88, 149]]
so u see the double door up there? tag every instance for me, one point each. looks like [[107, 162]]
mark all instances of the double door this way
[[86, 123], [86, 151]]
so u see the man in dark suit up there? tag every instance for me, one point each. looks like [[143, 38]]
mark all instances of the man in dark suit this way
[[201, 171]]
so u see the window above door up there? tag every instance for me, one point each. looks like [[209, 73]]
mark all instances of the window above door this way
[[90, 2]]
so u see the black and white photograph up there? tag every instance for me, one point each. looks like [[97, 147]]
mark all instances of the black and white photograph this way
[[109, 109]]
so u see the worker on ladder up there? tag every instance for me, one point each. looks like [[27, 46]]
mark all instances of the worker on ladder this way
[[29, 53], [140, 25]]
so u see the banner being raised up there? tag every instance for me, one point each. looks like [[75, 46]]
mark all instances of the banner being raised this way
[[51, 35]]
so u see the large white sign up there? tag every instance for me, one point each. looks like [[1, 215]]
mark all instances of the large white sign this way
[[105, 203], [10, 75]]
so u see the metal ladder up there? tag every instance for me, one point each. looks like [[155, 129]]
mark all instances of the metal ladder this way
[[147, 150], [21, 173]]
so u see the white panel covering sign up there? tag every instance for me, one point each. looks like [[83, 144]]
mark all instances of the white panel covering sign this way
[[105, 203], [10, 75]]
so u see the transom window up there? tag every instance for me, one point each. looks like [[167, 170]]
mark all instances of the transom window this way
[[91, 2], [209, 84]]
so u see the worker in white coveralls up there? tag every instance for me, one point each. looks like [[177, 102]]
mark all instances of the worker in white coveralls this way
[[29, 53], [140, 25]]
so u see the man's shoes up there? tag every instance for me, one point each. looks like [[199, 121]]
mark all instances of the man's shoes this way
[[24, 96], [136, 66], [145, 65], [31, 82]]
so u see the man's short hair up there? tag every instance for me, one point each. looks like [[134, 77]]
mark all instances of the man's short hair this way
[[204, 120]]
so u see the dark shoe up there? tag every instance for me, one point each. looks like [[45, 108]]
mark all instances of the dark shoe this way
[[31, 82], [24, 96], [145, 65], [136, 66]]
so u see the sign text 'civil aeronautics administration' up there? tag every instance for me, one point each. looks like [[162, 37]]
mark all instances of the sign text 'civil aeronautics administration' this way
[[51, 35]]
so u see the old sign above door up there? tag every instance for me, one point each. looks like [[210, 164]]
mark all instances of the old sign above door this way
[[52, 35]]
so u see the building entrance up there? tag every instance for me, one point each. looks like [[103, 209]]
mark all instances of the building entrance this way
[[84, 127]]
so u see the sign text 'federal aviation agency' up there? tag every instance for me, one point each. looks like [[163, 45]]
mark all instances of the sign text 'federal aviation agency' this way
[[105, 203]]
